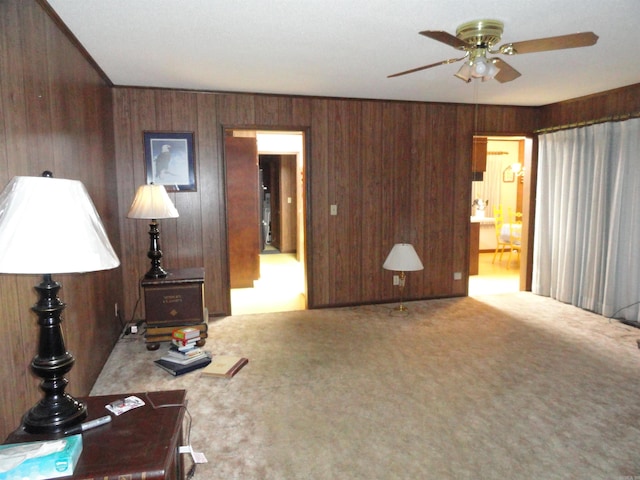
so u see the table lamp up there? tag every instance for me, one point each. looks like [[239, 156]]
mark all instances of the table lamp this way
[[50, 225], [402, 258], [152, 203]]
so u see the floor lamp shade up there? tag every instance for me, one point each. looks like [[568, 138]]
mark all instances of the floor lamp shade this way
[[403, 258], [47, 226]]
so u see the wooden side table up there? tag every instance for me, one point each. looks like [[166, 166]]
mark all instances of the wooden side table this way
[[139, 444], [174, 301]]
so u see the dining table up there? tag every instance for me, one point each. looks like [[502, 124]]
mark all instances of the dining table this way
[[507, 228]]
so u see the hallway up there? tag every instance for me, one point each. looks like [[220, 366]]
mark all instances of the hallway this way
[[280, 288]]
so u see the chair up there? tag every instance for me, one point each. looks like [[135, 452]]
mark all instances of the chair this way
[[515, 234], [501, 242]]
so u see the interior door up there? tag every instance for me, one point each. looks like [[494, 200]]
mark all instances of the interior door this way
[[288, 204], [243, 210]]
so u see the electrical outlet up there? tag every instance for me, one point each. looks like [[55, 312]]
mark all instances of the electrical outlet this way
[[396, 279], [333, 210], [457, 275]]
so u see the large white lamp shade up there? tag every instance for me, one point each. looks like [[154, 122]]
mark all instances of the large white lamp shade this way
[[50, 225]]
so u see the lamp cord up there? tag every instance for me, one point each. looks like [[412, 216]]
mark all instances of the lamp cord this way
[[192, 470]]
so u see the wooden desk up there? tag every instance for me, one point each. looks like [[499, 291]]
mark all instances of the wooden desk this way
[[139, 444]]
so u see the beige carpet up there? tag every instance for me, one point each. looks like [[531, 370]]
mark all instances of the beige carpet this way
[[511, 386]]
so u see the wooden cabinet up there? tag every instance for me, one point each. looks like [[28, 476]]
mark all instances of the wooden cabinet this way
[[479, 154], [174, 301]]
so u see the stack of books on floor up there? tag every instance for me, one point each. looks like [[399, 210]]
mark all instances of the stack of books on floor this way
[[184, 355]]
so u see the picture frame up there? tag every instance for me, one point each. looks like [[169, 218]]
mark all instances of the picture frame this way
[[169, 160], [508, 175]]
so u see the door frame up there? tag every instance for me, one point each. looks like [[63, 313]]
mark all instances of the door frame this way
[[530, 157], [302, 190]]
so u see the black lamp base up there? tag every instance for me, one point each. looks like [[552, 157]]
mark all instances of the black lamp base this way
[[57, 411], [154, 253], [156, 272], [54, 417]]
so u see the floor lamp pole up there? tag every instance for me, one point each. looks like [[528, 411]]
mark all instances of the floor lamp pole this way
[[401, 281]]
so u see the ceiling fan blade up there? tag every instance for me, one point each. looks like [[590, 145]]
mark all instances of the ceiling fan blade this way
[[445, 37], [444, 62], [506, 73], [585, 39]]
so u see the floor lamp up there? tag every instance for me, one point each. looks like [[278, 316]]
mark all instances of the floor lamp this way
[[49, 225], [153, 203], [402, 258]]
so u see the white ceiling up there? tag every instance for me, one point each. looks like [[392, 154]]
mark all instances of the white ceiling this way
[[346, 48]]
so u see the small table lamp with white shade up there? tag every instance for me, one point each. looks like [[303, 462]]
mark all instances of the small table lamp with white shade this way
[[153, 203], [402, 258], [50, 225]]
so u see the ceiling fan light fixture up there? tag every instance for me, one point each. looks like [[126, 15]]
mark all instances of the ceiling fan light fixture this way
[[479, 37], [492, 71], [464, 73], [479, 68]]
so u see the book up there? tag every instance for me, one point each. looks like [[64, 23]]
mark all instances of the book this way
[[187, 350], [153, 330], [180, 347], [224, 366], [177, 369], [184, 360], [42, 459], [185, 343], [185, 334], [164, 333], [149, 338]]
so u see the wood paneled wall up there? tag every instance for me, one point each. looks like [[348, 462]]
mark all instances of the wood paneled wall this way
[[618, 102], [56, 114], [398, 171]]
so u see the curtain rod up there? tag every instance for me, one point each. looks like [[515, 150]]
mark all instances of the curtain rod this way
[[613, 118]]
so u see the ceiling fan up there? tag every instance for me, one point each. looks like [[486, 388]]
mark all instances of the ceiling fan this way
[[477, 39]]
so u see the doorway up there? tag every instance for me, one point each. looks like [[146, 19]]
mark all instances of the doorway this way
[[272, 181], [501, 184]]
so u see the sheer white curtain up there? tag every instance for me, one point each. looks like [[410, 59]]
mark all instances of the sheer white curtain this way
[[493, 183], [587, 229], [491, 186]]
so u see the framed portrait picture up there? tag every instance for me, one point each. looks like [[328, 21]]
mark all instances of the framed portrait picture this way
[[169, 160], [508, 175]]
